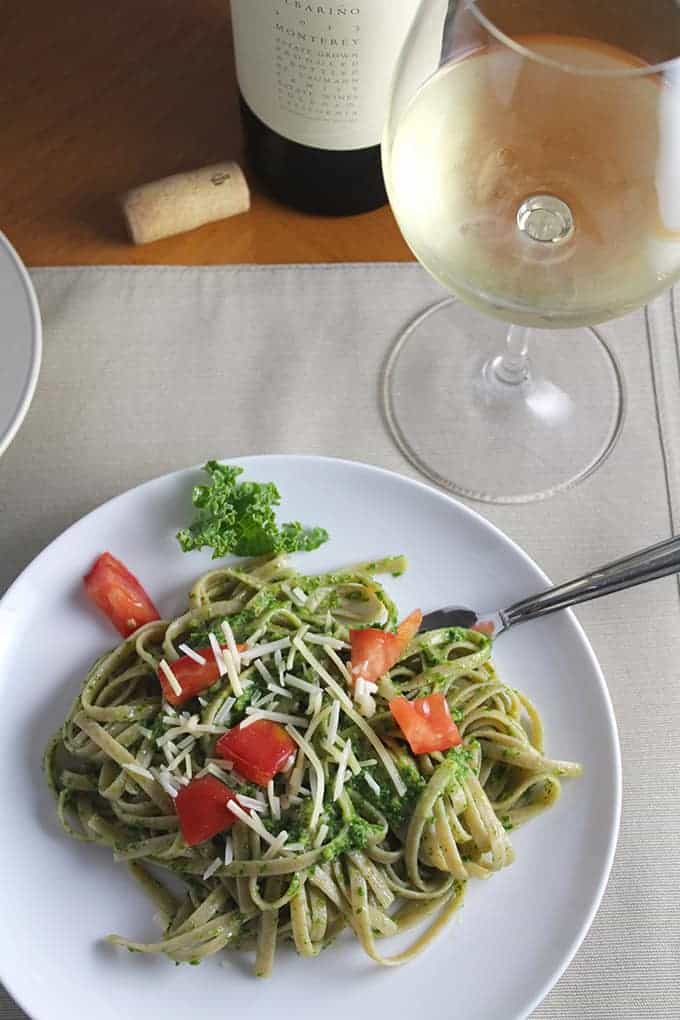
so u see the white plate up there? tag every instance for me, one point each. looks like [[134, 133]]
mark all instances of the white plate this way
[[516, 933], [20, 342]]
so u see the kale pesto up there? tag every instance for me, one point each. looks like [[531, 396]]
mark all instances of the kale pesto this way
[[340, 825]]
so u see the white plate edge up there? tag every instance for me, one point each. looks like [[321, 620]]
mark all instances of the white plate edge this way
[[36, 346], [25, 575]]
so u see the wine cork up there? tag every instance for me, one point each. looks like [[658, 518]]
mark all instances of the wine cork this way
[[185, 201]]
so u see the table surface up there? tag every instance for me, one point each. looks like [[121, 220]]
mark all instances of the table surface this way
[[124, 344], [97, 98]]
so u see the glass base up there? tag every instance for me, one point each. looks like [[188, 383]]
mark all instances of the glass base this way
[[492, 441]]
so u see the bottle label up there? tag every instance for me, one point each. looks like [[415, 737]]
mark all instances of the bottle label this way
[[320, 73]]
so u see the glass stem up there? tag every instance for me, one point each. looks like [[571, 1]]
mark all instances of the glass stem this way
[[512, 366]]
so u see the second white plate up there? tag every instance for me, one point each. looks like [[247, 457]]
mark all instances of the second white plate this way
[[20, 342]]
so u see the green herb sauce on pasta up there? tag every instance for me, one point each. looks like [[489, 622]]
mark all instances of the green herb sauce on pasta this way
[[357, 833]]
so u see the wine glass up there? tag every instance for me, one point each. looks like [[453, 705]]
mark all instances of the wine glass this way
[[532, 160]]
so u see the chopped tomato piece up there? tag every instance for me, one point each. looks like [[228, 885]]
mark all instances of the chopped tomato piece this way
[[258, 751], [485, 627], [375, 651], [426, 723], [119, 595], [192, 677], [202, 809], [408, 628]]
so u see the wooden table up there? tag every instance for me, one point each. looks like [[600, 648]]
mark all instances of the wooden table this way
[[99, 96]]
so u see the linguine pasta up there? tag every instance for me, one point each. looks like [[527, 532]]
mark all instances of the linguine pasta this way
[[356, 833]]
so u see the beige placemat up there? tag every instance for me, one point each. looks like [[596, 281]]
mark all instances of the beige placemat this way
[[150, 369]]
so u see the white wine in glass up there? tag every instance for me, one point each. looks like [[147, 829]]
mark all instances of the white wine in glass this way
[[532, 158]]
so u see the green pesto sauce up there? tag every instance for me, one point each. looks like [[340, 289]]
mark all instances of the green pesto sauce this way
[[241, 623], [397, 810], [265, 601], [158, 728], [298, 822], [511, 752], [294, 885], [463, 757], [356, 836]]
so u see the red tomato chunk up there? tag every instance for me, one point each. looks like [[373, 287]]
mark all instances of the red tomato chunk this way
[[119, 595], [202, 809], [192, 677], [408, 628], [259, 751], [375, 651], [426, 723]]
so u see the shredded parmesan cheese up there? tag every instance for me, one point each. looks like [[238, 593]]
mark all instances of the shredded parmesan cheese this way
[[263, 671], [231, 644], [258, 651], [316, 765], [276, 846], [170, 677], [342, 770], [251, 820], [300, 633], [333, 720], [169, 750], [163, 779], [217, 654], [300, 685], [228, 850], [281, 691], [320, 836], [372, 783], [193, 655], [193, 728], [278, 662], [274, 802], [251, 803], [316, 704], [222, 715], [177, 761], [217, 772], [232, 672], [279, 717], [212, 868], [367, 730]]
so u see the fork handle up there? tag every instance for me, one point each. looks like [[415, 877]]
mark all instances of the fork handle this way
[[646, 565]]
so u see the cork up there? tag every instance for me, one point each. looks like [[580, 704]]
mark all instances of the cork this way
[[185, 201]]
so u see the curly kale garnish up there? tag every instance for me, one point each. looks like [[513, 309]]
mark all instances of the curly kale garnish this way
[[239, 518]]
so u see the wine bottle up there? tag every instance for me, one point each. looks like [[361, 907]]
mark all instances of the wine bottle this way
[[314, 81]]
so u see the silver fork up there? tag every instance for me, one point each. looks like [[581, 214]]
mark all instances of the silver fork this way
[[646, 565]]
